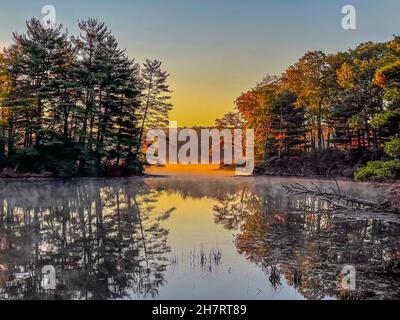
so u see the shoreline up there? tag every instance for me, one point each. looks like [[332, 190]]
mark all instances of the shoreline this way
[[194, 176]]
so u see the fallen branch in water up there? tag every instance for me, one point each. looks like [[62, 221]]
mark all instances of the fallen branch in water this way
[[337, 200], [354, 215]]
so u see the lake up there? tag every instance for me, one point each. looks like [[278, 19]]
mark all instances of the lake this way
[[193, 237]]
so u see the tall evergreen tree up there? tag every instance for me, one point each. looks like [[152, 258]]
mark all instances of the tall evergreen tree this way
[[89, 45], [118, 100], [30, 63], [76, 106], [155, 106]]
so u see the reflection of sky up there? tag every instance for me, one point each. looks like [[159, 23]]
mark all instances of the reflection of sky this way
[[234, 278], [216, 49], [192, 226]]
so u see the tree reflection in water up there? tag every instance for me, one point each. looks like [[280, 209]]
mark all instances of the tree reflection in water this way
[[107, 241], [101, 242], [299, 238]]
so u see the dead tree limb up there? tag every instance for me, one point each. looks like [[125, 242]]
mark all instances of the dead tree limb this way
[[337, 200]]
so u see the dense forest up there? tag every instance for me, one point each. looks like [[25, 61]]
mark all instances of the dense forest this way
[[76, 105], [328, 114]]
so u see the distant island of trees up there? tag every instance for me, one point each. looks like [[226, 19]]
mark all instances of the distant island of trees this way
[[76, 105]]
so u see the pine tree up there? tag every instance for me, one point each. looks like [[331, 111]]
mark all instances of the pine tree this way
[[155, 106], [62, 89], [118, 102], [76, 105], [30, 63], [89, 45]]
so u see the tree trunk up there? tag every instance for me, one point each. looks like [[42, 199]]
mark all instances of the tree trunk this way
[[319, 125], [145, 115]]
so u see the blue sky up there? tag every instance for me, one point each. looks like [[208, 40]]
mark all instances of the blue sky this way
[[214, 50]]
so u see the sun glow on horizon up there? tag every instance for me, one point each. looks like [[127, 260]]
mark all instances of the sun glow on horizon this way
[[189, 170]]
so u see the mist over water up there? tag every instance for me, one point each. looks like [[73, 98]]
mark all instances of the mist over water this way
[[192, 237]]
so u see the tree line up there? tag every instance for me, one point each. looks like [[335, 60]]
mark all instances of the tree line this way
[[339, 102], [76, 105]]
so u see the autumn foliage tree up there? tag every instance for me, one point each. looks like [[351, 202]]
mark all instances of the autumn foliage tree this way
[[343, 102]]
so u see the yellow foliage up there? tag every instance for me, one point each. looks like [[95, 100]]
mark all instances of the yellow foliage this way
[[346, 76]]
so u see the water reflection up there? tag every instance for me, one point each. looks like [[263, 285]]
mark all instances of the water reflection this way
[[110, 240], [310, 249], [299, 240], [95, 234]]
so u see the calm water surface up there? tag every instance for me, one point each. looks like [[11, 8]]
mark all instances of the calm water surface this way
[[192, 238]]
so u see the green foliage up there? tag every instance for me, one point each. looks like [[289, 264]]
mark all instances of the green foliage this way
[[60, 157], [61, 168], [389, 78], [392, 94], [28, 159], [287, 124], [379, 171], [356, 122], [88, 165], [382, 119], [392, 148], [387, 123], [75, 104]]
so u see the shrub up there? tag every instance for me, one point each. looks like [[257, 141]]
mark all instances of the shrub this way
[[134, 168], [28, 159], [392, 148], [379, 171], [383, 119], [59, 167]]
